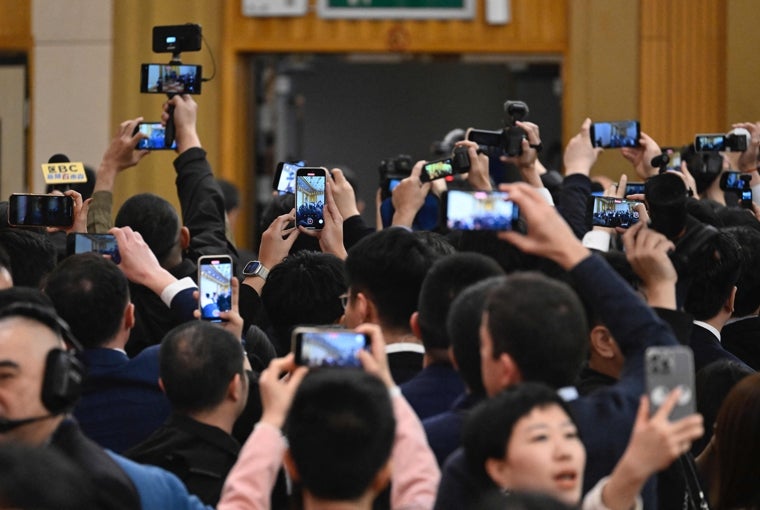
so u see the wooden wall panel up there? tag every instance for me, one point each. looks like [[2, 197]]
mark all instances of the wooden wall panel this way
[[743, 66], [683, 68], [15, 25]]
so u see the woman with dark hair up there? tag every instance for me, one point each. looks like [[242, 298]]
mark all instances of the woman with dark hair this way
[[730, 461], [525, 439]]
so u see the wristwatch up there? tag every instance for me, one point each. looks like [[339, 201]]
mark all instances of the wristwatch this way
[[256, 268]]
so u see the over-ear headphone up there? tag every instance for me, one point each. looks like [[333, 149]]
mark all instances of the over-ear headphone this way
[[64, 373]]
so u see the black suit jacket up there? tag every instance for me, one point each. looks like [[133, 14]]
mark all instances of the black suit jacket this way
[[707, 348], [742, 339]]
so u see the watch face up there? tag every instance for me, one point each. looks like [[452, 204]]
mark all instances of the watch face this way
[[252, 267]]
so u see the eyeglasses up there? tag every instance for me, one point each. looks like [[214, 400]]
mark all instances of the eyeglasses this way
[[343, 300]]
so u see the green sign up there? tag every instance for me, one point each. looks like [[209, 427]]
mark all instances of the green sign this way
[[417, 9]]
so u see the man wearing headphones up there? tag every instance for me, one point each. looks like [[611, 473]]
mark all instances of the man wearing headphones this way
[[39, 384]]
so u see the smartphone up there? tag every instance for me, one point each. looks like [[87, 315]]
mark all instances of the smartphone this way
[[310, 197], [634, 188], [615, 135], [328, 347], [746, 199], [155, 132], [285, 177], [613, 212], [674, 156], [668, 367], [732, 180], [105, 244], [486, 138], [437, 170], [214, 286], [170, 79], [479, 210], [33, 210]]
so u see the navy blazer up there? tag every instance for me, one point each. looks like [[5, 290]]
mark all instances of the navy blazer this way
[[742, 339], [605, 417], [707, 348], [121, 404], [433, 389]]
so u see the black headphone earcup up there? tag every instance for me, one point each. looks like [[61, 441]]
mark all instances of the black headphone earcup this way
[[62, 383]]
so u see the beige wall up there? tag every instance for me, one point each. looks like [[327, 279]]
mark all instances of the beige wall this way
[[71, 82]]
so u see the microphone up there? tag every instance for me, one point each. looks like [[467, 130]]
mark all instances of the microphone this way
[[59, 158], [8, 425]]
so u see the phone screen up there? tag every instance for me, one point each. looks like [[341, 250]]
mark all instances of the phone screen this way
[[614, 212], [615, 135], [170, 79], [214, 287], [480, 210], [285, 177], [310, 197], [316, 347], [746, 200], [437, 170], [634, 188], [731, 181], [668, 367], [715, 142], [40, 210], [105, 244], [155, 132]]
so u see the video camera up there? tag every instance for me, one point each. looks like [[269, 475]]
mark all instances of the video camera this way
[[173, 78], [392, 171], [509, 139]]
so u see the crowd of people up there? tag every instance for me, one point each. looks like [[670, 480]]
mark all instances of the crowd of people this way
[[504, 369]]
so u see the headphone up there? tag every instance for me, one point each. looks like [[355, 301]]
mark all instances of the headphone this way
[[64, 373]]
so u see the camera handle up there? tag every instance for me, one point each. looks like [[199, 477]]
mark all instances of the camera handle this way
[[170, 131]]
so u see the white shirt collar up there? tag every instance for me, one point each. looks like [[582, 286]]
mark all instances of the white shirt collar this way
[[709, 328]]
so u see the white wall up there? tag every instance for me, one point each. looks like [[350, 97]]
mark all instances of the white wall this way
[[71, 94]]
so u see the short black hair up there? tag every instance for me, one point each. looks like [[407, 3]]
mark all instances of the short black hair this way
[[90, 293], [341, 430], [305, 288], [197, 361], [541, 324], [32, 255], [716, 270], [154, 218], [389, 266], [23, 468], [748, 287], [463, 327], [444, 281], [436, 241], [489, 425]]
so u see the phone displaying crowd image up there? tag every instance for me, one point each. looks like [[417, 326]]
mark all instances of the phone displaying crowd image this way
[[310, 197], [634, 188], [170, 79], [105, 244], [328, 347], [615, 135], [34, 210], [479, 210], [155, 132], [284, 180], [613, 212], [667, 368], [214, 286]]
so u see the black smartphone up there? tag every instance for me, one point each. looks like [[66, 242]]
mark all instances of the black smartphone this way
[[285, 176], [170, 79], [33, 210], [613, 212], [155, 131], [733, 180], [615, 135], [668, 367], [310, 197], [105, 244], [389, 184], [214, 286], [674, 158], [634, 188], [479, 210], [457, 163], [328, 346], [485, 138], [746, 199]]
